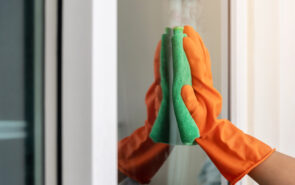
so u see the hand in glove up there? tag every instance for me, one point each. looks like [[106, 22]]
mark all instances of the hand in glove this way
[[138, 156], [233, 152]]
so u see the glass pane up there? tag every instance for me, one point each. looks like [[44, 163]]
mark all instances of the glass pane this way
[[140, 26], [21, 94]]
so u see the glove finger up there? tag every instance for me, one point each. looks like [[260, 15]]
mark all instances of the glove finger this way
[[207, 59], [190, 32], [158, 98], [157, 63], [208, 64], [196, 60], [195, 36], [152, 97], [196, 106]]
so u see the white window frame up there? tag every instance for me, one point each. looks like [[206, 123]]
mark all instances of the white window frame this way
[[89, 95], [104, 92], [50, 89]]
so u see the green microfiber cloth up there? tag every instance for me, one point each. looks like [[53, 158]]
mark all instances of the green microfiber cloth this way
[[174, 119], [161, 128]]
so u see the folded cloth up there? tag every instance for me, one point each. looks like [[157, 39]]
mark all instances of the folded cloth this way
[[174, 119]]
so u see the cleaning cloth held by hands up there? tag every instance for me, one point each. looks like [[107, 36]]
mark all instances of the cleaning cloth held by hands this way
[[174, 120]]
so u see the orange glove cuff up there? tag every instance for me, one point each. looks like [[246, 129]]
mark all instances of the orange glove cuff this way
[[233, 152]]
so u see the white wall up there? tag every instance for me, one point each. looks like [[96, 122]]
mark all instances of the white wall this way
[[270, 72], [266, 72], [263, 71], [287, 77]]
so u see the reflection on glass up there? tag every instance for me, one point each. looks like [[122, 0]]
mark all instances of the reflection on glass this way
[[21, 94], [140, 26]]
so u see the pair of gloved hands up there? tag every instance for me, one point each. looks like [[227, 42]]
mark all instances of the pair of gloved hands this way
[[233, 152]]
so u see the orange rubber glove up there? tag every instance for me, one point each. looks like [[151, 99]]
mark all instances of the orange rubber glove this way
[[233, 152], [138, 156]]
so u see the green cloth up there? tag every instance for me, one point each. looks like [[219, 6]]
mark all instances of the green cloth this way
[[166, 129], [161, 128]]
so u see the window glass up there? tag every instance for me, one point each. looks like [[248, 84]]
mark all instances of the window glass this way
[[140, 27], [21, 94]]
